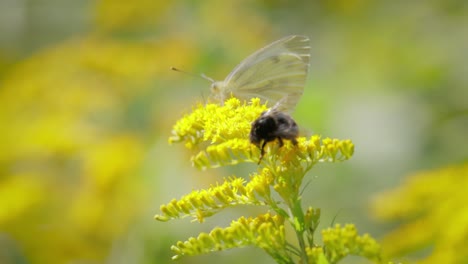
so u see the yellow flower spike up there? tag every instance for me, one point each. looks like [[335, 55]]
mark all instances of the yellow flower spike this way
[[221, 127], [327, 141], [218, 154], [206, 240], [194, 200], [217, 233], [173, 203], [177, 251], [347, 148], [189, 145], [238, 185], [281, 232], [316, 255], [218, 135], [301, 149], [228, 191], [200, 161], [264, 239], [166, 217], [312, 154], [281, 188], [342, 241], [179, 246], [433, 200], [221, 197], [185, 206], [200, 215], [207, 199], [331, 151], [205, 203], [315, 140], [259, 184], [165, 210], [241, 189], [173, 208], [241, 227]]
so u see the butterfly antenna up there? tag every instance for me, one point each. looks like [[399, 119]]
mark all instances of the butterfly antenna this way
[[207, 78], [193, 75]]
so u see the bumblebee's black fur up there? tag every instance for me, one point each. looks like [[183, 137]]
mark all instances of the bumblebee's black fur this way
[[273, 125]]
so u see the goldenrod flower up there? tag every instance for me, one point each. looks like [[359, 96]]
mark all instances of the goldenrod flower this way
[[264, 231], [218, 136], [342, 241], [203, 203]]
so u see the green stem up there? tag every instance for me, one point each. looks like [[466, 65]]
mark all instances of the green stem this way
[[294, 250], [298, 225], [300, 238]]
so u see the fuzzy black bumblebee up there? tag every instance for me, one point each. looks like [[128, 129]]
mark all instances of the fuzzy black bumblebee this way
[[271, 125]]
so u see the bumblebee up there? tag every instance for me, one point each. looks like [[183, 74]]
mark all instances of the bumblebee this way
[[271, 125]]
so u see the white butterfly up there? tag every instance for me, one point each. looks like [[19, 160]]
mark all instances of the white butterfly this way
[[276, 74]]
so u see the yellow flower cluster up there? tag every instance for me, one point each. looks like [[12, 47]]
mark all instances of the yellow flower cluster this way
[[216, 123], [340, 242], [69, 149], [219, 136], [203, 203], [234, 191], [265, 231]]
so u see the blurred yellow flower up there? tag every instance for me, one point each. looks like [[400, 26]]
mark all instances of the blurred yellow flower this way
[[69, 179], [433, 209]]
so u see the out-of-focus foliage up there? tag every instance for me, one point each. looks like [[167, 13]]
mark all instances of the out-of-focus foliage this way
[[73, 139], [433, 209], [76, 119], [86, 103], [70, 151], [118, 15]]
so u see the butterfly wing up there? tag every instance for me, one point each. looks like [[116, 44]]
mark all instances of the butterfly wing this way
[[273, 73]]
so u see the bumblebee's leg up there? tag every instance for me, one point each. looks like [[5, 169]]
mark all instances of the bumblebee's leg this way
[[280, 142], [263, 147], [262, 152], [294, 141]]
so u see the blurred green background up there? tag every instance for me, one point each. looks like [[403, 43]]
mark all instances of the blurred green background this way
[[87, 102]]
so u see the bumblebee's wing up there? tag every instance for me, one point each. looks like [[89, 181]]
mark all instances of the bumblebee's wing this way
[[273, 72]]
